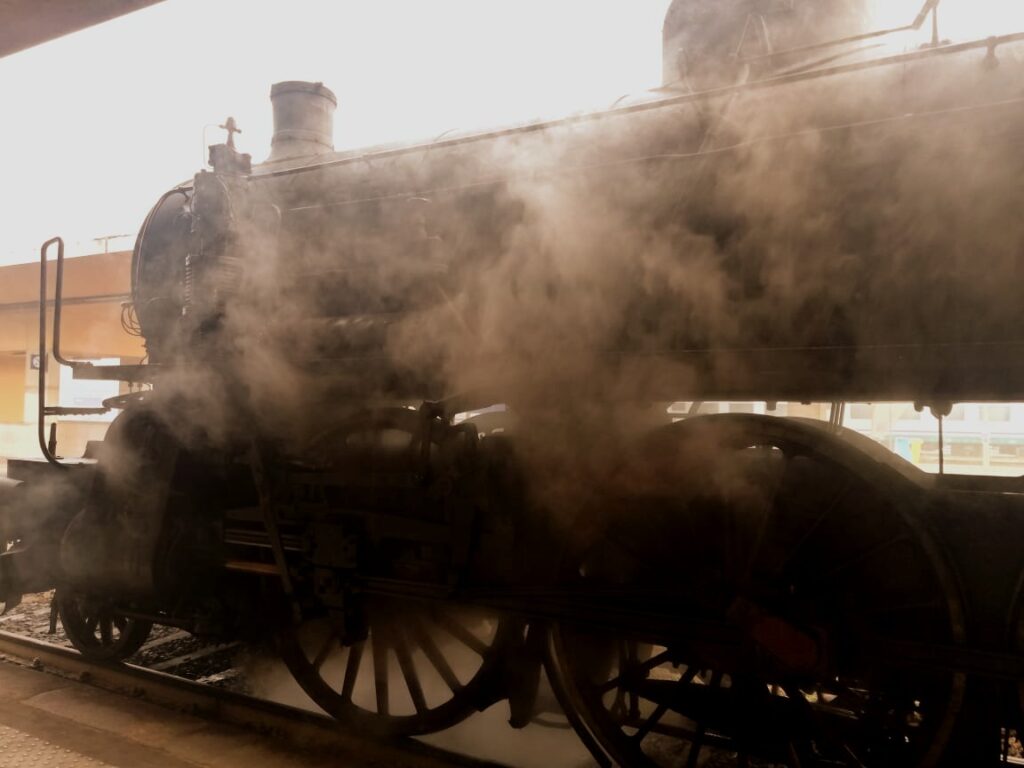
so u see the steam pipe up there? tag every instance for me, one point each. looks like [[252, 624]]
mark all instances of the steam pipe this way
[[42, 345], [303, 119]]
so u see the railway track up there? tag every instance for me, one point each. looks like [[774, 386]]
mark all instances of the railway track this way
[[167, 650], [204, 684]]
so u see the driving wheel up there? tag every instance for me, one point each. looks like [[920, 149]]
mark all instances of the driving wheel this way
[[412, 666], [420, 669], [773, 575]]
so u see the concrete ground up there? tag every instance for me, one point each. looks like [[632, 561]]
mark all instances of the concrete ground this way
[[52, 722]]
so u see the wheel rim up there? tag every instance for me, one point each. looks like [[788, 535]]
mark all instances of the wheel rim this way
[[98, 631], [420, 669], [1015, 639], [851, 562]]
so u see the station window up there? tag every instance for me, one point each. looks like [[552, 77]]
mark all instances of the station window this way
[[999, 412], [978, 438], [860, 411], [742, 408]]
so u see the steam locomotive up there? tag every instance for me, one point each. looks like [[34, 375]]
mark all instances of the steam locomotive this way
[[397, 417]]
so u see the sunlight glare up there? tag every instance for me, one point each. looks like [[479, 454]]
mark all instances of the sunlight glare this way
[[959, 20], [109, 117]]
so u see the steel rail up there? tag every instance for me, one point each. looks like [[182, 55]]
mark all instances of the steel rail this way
[[291, 724]]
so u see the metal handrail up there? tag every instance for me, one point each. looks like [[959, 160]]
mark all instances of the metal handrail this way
[[49, 448], [42, 346], [58, 298], [930, 7]]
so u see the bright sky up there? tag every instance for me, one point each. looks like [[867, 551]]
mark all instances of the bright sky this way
[[958, 19], [96, 125]]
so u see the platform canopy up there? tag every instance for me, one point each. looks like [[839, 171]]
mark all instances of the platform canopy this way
[[24, 23]]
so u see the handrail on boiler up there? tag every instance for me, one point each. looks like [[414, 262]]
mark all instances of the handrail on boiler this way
[[930, 8]]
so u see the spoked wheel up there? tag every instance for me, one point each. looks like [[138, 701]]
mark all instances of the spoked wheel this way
[[97, 630], [794, 567], [421, 668]]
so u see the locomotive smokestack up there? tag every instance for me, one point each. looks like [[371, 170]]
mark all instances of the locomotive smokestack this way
[[303, 119]]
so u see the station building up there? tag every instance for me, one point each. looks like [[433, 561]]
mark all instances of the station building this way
[[95, 288]]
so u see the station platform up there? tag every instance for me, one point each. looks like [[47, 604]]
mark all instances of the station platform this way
[[47, 721]]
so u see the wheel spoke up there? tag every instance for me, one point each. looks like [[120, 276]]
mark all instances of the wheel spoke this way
[[689, 700], [635, 673], [853, 756], [650, 722], [627, 657], [107, 631], [355, 656], [831, 507], [380, 671], [689, 675], [434, 655], [325, 650], [695, 747], [618, 707], [460, 633], [770, 511], [412, 680]]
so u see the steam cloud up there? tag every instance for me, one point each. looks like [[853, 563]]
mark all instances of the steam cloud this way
[[724, 247]]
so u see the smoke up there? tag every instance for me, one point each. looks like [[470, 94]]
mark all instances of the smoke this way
[[769, 242]]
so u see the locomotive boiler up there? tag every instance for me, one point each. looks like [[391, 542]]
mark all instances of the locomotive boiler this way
[[398, 416]]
